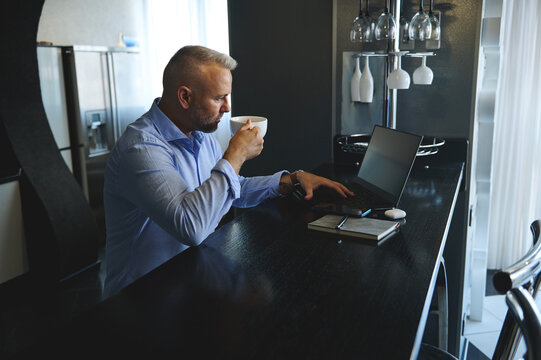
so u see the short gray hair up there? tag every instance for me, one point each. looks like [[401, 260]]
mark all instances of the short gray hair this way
[[183, 68]]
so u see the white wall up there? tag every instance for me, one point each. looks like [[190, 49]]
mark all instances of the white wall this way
[[13, 259], [90, 22]]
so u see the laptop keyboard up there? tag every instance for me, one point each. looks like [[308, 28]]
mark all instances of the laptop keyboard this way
[[361, 200], [358, 201]]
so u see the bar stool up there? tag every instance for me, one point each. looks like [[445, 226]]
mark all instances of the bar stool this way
[[524, 273], [526, 315], [520, 282]]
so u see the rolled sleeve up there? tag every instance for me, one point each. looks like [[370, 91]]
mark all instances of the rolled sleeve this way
[[223, 166], [258, 188], [275, 183]]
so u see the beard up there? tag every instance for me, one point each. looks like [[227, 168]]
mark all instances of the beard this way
[[204, 122]]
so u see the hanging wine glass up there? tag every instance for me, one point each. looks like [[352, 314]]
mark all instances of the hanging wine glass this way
[[386, 25], [434, 22], [355, 33], [423, 75], [368, 25], [420, 27], [404, 25], [399, 78], [362, 29]]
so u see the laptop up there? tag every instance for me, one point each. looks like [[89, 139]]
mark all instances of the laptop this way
[[380, 180]]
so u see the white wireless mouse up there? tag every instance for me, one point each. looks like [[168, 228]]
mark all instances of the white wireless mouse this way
[[395, 214]]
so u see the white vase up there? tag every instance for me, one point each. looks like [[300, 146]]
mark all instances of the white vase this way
[[355, 82], [367, 84], [120, 41]]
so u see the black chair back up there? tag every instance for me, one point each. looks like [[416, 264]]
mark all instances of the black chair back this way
[[525, 313], [520, 282]]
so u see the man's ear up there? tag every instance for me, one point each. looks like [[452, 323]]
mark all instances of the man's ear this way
[[184, 96]]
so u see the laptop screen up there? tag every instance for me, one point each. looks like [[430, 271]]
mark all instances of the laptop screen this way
[[389, 159]]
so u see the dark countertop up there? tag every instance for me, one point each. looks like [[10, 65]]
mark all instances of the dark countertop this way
[[264, 286]]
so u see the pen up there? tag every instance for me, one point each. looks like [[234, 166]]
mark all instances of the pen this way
[[342, 222]]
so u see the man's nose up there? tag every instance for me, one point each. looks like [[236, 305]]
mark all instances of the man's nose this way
[[225, 107]]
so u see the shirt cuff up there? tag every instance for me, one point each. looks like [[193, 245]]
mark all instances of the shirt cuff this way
[[223, 166], [275, 183]]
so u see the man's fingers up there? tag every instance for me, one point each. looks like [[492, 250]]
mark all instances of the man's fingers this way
[[256, 129], [312, 182], [309, 193], [247, 125], [346, 190], [339, 190]]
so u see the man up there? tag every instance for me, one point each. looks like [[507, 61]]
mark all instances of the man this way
[[167, 183]]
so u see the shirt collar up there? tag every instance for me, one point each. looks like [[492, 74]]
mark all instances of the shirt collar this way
[[168, 129]]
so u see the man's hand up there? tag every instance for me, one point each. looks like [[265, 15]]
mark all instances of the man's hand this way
[[245, 144], [311, 182]]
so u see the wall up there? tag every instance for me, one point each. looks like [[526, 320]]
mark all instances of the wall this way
[[97, 22], [441, 109], [285, 73], [13, 258]]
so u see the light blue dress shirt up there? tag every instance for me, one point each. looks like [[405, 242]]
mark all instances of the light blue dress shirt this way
[[165, 192]]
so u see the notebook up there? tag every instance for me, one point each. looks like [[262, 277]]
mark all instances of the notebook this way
[[380, 180], [367, 228]]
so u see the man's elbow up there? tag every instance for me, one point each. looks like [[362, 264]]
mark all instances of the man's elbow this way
[[194, 235], [193, 226], [194, 240]]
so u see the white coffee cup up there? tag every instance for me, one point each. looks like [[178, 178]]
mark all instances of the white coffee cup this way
[[236, 123]]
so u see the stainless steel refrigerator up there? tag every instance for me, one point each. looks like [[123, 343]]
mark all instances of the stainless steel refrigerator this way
[[97, 92]]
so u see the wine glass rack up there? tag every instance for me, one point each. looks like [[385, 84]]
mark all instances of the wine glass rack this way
[[393, 55]]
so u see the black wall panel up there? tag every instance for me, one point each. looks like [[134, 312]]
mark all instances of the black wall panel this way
[[284, 51]]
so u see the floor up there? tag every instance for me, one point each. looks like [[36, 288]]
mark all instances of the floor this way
[[483, 335]]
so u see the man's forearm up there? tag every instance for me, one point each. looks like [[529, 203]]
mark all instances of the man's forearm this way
[[234, 159]]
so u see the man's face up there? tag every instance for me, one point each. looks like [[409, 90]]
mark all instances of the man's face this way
[[210, 98]]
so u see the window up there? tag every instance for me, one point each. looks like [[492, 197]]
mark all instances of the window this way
[[174, 23]]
